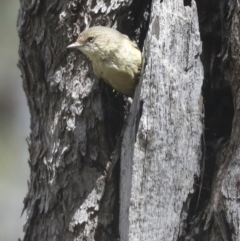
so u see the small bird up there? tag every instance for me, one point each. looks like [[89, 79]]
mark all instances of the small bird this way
[[115, 58]]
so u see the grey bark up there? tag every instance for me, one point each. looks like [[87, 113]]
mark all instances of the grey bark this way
[[179, 171], [160, 198], [75, 121], [227, 180], [167, 150]]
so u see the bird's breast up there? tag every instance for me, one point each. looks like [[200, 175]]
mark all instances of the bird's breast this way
[[120, 76]]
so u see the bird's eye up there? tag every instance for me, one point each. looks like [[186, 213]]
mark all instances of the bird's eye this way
[[90, 39]]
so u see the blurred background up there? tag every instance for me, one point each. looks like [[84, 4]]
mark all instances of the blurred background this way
[[14, 128]]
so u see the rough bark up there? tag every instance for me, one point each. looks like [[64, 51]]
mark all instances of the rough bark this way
[[75, 119], [179, 173], [218, 216]]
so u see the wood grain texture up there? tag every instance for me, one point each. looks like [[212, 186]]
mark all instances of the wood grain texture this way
[[167, 150]]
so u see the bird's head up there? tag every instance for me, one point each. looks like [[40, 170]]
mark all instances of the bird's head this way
[[94, 42]]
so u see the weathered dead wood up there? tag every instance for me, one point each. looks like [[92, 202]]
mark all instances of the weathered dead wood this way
[[157, 173]]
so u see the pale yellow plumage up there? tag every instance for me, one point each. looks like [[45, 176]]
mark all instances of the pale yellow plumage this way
[[115, 58]]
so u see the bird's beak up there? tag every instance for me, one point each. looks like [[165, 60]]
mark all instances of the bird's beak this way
[[74, 45]]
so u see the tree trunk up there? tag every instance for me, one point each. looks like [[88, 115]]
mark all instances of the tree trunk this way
[[75, 119], [166, 154], [177, 172]]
